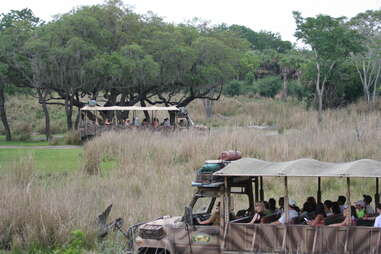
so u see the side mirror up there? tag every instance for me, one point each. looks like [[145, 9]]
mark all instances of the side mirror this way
[[188, 216]]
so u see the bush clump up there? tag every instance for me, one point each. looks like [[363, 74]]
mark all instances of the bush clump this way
[[72, 138], [22, 131]]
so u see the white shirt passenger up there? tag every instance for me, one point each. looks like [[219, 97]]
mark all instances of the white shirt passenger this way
[[291, 214], [377, 222]]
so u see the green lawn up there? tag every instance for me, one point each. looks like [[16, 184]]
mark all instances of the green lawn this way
[[22, 143], [46, 160], [50, 160]]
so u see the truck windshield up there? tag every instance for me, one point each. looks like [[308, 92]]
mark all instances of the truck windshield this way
[[203, 205]]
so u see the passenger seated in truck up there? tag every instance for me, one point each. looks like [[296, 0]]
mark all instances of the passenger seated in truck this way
[[214, 219], [272, 205], [349, 217], [279, 211], [377, 222], [320, 216], [336, 216], [328, 207], [368, 208], [259, 213], [155, 123], [292, 213], [108, 122], [309, 207], [341, 201], [360, 209]]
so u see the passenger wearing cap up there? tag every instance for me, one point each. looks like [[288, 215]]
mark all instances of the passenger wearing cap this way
[[369, 210], [292, 213], [360, 209]]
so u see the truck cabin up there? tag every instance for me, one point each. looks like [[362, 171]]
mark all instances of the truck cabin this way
[[239, 236], [206, 199]]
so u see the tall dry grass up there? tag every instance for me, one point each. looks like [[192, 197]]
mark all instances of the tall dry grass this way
[[155, 170]]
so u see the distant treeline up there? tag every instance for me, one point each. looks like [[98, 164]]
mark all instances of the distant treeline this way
[[109, 52]]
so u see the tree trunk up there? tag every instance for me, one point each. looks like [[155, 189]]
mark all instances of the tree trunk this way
[[3, 115], [285, 87], [367, 96], [375, 86], [76, 124], [320, 109], [319, 93], [69, 113], [208, 106], [146, 113], [42, 100]]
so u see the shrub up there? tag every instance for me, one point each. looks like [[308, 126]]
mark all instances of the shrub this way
[[72, 138], [233, 88], [268, 86], [22, 131], [53, 141]]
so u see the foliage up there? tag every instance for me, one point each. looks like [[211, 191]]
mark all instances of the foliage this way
[[268, 86], [332, 41], [234, 88], [22, 131], [368, 62], [72, 138], [262, 40]]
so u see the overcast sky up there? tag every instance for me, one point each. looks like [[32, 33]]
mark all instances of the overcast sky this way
[[271, 15]]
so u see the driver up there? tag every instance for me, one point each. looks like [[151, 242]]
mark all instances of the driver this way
[[214, 219]]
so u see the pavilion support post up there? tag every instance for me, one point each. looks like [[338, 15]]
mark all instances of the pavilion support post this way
[[319, 190], [349, 196], [256, 186], [96, 123], [285, 205], [225, 214], [377, 195], [286, 208], [261, 192]]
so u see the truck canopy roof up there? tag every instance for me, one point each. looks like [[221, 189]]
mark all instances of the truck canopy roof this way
[[302, 168], [131, 108]]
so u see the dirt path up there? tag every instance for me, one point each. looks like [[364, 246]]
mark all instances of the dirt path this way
[[40, 147]]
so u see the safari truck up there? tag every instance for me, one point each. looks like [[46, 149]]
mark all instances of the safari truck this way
[[94, 120], [234, 187]]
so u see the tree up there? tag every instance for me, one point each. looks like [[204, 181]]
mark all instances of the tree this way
[[261, 40], [331, 41], [15, 29], [290, 63], [368, 62]]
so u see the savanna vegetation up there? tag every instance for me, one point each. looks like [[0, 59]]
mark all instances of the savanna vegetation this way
[[115, 56], [319, 102]]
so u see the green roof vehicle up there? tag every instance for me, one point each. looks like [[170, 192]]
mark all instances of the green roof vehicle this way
[[234, 187]]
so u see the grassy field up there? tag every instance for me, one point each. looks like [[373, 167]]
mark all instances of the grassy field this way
[[45, 160], [146, 175], [3, 142]]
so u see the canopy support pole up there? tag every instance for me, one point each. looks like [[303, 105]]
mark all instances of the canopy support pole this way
[[261, 192], [377, 195], [226, 201], [349, 213], [256, 189], [349, 196], [319, 190], [285, 206]]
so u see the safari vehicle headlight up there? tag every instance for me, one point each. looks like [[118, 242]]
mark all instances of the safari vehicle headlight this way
[[149, 231]]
